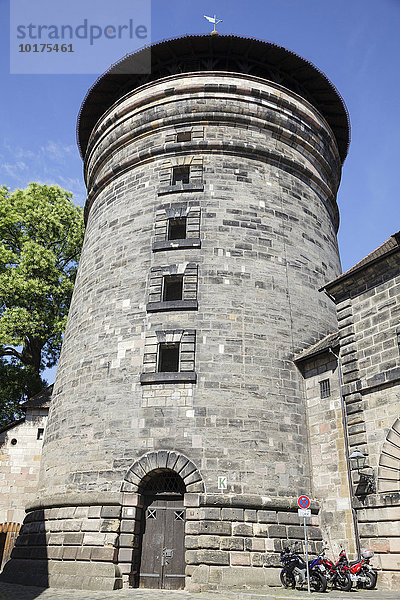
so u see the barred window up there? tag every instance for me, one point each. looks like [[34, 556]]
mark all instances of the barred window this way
[[325, 388]]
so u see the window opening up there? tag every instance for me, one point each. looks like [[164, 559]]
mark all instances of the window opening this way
[[177, 229], [180, 174], [40, 433], [168, 358], [184, 136], [173, 288], [325, 388]]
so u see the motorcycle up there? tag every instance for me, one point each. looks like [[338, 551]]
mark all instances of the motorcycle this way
[[337, 575], [361, 572], [294, 571]]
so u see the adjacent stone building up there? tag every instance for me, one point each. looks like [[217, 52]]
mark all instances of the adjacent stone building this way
[[368, 410], [180, 429], [20, 453]]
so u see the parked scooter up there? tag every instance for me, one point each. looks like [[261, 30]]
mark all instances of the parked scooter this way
[[337, 575], [361, 572], [294, 571]]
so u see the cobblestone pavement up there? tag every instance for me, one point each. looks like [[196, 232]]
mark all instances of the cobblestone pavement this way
[[19, 592]]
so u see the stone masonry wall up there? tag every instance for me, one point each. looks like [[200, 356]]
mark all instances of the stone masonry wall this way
[[96, 545], [368, 313], [267, 243], [19, 465], [327, 452]]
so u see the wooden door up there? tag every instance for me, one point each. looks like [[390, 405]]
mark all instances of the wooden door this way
[[162, 562], [8, 535]]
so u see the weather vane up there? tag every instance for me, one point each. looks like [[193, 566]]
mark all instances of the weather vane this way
[[213, 20]]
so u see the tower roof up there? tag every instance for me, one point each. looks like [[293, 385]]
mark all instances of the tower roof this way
[[234, 53]]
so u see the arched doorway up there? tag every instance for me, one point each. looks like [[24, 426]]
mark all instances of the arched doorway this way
[[162, 539]]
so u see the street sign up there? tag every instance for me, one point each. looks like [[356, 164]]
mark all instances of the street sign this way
[[303, 501], [304, 512], [222, 482]]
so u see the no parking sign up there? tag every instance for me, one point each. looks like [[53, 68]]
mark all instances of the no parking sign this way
[[303, 501]]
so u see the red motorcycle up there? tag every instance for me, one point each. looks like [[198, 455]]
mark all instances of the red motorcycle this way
[[337, 575], [361, 572]]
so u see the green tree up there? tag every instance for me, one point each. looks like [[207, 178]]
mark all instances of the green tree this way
[[41, 234], [14, 383]]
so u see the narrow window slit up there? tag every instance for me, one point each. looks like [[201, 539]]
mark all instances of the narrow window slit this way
[[325, 388]]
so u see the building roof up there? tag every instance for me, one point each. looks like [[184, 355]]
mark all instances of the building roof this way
[[40, 400], [12, 424], [330, 341], [232, 53], [391, 245]]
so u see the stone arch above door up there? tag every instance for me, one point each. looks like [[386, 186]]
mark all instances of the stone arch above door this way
[[389, 461], [157, 461]]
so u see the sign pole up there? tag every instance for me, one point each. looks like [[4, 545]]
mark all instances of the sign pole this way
[[303, 502], [306, 542]]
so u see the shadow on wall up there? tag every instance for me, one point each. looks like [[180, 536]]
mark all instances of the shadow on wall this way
[[28, 564]]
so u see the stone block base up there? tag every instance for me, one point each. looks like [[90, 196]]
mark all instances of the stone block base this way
[[234, 541], [388, 580], [67, 575], [231, 541], [206, 577]]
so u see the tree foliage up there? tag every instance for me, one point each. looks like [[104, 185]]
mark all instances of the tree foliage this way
[[41, 234], [15, 381]]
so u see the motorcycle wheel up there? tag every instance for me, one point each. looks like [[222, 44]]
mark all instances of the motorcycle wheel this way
[[318, 582], [287, 579], [343, 582], [371, 580]]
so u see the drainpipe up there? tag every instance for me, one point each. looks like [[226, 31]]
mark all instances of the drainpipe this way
[[346, 446]]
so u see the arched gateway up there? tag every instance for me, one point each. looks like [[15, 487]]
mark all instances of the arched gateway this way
[[159, 481]]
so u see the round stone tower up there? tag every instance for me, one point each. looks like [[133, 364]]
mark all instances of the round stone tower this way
[[177, 438]]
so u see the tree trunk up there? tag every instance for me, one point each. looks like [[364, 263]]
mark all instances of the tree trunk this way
[[31, 356]]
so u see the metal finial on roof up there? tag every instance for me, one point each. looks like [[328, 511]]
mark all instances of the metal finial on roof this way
[[215, 21]]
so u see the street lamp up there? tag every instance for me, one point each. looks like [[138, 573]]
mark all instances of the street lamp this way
[[357, 460], [366, 484]]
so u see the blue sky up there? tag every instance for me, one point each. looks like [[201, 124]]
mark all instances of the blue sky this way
[[355, 42]]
